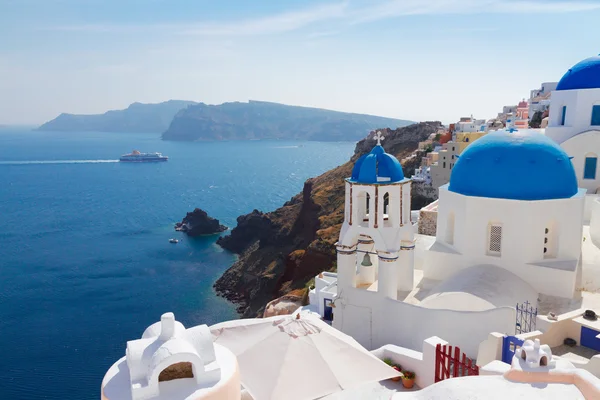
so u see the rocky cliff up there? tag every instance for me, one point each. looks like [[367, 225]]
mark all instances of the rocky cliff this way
[[198, 223], [265, 120], [138, 117], [281, 251]]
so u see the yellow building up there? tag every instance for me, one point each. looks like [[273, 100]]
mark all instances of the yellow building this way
[[464, 139]]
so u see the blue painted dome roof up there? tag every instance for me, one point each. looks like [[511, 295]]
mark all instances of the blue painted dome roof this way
[[583, 75], [523, 165], [377, 167]]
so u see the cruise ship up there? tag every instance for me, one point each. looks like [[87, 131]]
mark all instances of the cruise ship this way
[[136, 156]]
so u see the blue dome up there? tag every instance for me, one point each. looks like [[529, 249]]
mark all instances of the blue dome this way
[[583, 75], [377, 167], [524, 165]]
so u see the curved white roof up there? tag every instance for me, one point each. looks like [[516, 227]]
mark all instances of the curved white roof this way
[[480, 288]]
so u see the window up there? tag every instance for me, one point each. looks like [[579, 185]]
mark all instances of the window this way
[[453, 149], [386, 203], [589, 169], [367, 204], [444, 164], [595, 115], [453, 155], [563, 116], [467, 139], [451, 165], [495, 239]]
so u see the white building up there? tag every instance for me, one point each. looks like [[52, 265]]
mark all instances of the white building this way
[[574, 120], [170, 362], [499, 182], [539, 99], [509, 230], [422, 174]]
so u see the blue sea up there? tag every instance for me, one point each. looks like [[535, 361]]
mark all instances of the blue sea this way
[[85, 258]]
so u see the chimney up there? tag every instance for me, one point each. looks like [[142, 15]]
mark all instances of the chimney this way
[[167, 326]]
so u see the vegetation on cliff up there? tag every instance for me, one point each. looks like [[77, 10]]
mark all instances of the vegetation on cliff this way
[[281, 251], [137, 118], [264, 120]]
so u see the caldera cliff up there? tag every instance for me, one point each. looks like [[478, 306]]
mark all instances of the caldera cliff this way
[[281, 251]]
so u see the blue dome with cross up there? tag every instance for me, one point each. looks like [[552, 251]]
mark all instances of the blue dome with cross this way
[[583, 75], [517, 165], [377, 166]]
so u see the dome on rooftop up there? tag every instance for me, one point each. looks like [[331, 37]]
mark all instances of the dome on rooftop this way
[[583, 75], [519, 165], [377, 167]]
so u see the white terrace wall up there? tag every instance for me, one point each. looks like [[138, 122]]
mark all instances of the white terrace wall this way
[[421, 363], [407, 325]]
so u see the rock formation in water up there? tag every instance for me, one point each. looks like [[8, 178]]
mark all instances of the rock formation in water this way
[[264, 120], [198, 223], [281, 251]]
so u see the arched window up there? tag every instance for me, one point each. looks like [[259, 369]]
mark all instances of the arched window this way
[[590, 166], [176, 371], [450, 229], [386, 203]]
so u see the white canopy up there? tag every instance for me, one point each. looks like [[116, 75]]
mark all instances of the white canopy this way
[[297, 357]]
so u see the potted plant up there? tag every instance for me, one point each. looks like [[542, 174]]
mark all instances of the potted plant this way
[[408, 379], [389, 362]]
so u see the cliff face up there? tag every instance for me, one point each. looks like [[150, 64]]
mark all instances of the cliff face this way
[[264, 120], [282, 250], [138, 117]]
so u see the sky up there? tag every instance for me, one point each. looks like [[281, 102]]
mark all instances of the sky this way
[[409, 59]]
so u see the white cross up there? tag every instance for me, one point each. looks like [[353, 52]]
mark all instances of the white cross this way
[[378, 137]]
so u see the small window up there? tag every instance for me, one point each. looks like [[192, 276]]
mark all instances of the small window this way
[[589, 171], [467, 139], [495, 239], [444, 165], [453, 149], [453, 155], [563, 116], [386, 203], [596, 115]]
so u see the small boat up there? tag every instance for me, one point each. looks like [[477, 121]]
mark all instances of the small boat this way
[[173, 240]]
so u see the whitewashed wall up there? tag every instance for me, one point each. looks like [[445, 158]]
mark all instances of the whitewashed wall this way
[[374, 321], [523, 232], [579, 147], [579, 113]]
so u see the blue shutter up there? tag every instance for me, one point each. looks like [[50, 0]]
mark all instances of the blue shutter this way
[[564, 115], [595, 115], [589, 171]]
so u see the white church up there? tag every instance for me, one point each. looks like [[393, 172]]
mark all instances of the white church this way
[[519, 222]]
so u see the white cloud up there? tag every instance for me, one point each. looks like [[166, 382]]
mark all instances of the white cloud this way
[[342, 12], [400, 8]]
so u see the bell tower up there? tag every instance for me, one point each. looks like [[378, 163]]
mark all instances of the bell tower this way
[[375, 250]]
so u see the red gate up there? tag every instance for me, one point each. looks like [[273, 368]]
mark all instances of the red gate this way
[[448, 363]]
